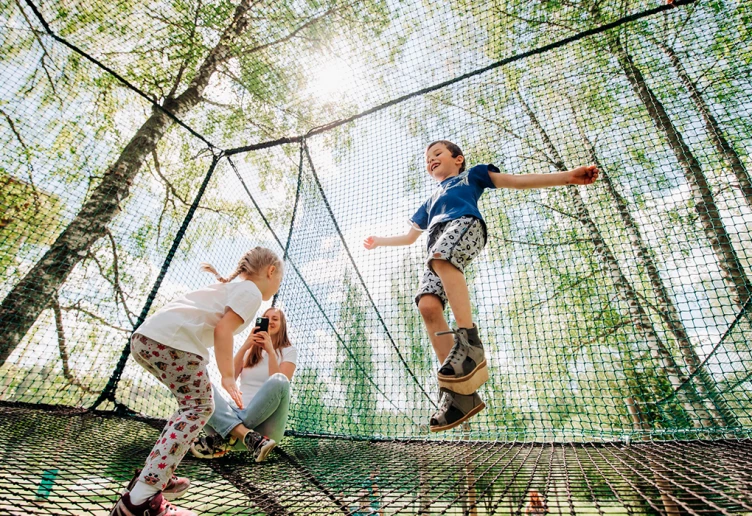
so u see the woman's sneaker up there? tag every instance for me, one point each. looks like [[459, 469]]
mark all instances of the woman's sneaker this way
[[259, 444], [464, 369], [176, 486], [210, 446], [455, 409], [157, 505]]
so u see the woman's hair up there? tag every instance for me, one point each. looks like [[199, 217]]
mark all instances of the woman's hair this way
[[252, 263], [279, 341], [451, 147]]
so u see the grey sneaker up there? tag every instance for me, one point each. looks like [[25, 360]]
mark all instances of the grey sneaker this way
[[259, 444], [210, 446], [464, 369], [455, 409]]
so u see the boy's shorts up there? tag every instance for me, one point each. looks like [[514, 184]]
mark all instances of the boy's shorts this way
[[456, 241]]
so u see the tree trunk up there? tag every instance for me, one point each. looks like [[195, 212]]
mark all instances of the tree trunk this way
[[704, 384], [23, 305], [716, 134], [625, 291], [707, 211]]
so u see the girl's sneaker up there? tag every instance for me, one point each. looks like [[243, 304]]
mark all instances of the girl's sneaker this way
[[210, 446], [259, 444], [176, 486], [464, 369], [455, 409], [157, 505]]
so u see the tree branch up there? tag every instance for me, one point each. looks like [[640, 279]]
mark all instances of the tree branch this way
[[63, 351], [171, 188], [553, 244], [291, 35], [118, 288], [77, 308], [27, 153], [575, 217], [186, 60], [608, 333], [554, 296], [44, 49]]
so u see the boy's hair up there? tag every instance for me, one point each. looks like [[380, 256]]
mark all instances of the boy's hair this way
[[451, 147], [252, 263], [279, 341]]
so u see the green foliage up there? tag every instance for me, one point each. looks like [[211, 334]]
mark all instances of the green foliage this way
[[355, 368]]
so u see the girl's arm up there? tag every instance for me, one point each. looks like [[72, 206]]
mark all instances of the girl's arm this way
[[372, 242], [223, 339], [577, 176]]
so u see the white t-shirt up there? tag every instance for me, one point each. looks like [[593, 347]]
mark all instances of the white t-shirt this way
[[187, 323], [252, 378]]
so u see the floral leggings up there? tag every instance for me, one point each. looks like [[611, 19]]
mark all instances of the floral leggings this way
[[186, 375]]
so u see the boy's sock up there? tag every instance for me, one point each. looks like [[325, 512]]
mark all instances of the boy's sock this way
[[142, 492]]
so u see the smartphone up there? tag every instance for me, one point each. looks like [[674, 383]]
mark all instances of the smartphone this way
[[262, 323]]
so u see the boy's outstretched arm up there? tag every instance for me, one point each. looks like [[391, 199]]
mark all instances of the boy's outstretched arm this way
[[577, 176], [372, 242]]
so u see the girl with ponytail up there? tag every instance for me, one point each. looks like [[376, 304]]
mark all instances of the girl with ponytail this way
[[173, 345]]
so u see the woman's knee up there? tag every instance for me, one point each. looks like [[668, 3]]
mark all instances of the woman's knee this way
[[281, 382]]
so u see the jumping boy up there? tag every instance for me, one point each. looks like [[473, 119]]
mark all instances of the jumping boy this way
[[456, 235]]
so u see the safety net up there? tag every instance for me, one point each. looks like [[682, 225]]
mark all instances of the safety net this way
[[139, 140]]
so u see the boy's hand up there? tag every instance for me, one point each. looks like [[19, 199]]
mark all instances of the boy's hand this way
[[371, 242], [586, 175]]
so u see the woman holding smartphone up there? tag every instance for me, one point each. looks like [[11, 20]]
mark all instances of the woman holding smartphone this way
[[265, 364]]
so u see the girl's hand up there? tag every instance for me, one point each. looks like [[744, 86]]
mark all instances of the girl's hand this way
[[371, 242], [231, 387], [586, 175], [264, 340]]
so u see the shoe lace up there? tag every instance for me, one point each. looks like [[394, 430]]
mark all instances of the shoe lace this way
[[453, 356], [255, 440], [445, 403]]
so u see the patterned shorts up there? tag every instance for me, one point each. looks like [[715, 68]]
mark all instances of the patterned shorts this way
[[456, 241]]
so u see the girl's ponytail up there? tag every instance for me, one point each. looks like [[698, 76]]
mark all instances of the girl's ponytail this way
[[207, 267], [251, 264]]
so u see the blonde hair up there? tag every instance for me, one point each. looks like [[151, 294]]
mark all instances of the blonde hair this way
[[252, 264]]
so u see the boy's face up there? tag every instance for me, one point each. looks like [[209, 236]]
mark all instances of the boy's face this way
[[440, 164]]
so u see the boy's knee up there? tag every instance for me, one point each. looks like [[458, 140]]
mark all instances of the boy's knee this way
[[430, 306], [439, 264]]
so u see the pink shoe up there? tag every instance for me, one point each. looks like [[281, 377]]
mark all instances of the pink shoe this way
[[154, 506]]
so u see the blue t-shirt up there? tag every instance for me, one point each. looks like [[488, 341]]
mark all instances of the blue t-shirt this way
[[456, 197]]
